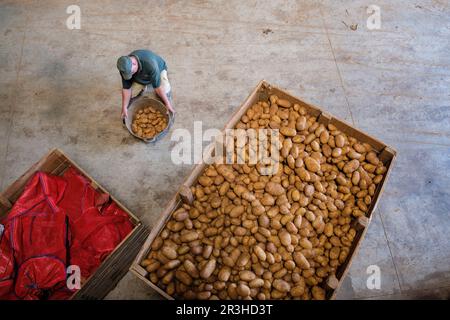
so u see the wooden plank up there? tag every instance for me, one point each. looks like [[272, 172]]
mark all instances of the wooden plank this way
[[60, 168], [186, 194], [5, 206], [362, 223], [140, 270], [325, 118], [332, 282], [5, 202], [387, 154]]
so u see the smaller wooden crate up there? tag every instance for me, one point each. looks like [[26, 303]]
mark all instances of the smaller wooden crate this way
[[116, 265], [262, 91]]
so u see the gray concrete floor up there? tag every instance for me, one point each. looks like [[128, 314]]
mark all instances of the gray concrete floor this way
[[60, 88]]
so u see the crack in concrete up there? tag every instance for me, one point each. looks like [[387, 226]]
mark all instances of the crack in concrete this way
[[337, 66], [390, 251]]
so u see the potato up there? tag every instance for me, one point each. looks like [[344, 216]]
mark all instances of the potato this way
[[180, 215], [237, 211], [243, 290], [256, 283], [297, 291], [284, 103], [351, 166], [260, 253], [285, 238], [191, 269], [308, 190], [372, 158], [189, 236], [243, 259], [275, 189], [157, 243], [305, 243], [312, 164], [288, 132], [281, 285], [172, 264], [224, 274], [226, 173], [324, 136], [267, 200], [153, 266], [208, 269], [301, 261], [183, 277], [205, 181], [169, 252], [247, 275], [339, 141], [146, 262], [318, 293]]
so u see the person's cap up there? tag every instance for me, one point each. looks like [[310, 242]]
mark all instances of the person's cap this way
[[124, 65]]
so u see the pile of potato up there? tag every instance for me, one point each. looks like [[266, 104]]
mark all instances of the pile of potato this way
[[148, 123], [250, 236]]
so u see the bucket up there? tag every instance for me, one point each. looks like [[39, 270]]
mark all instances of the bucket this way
[[142, 102]]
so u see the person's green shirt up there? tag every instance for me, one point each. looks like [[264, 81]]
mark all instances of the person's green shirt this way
[[149, 71]]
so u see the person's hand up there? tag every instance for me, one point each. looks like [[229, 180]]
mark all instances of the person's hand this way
[[124, 114], [171, 109]]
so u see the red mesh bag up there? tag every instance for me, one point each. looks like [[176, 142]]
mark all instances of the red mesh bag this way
[[38, 237], [6, 269], [39, 277]]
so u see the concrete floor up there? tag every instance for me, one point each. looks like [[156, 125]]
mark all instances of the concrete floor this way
[[60, 88]]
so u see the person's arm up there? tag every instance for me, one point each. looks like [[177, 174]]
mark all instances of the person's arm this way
[[160, 92], [126, 96]]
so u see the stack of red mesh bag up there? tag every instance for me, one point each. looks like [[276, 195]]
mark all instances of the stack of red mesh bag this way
[[57, 222]]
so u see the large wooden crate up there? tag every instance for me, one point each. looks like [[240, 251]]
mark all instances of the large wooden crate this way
[[262, 91], [116, 265]]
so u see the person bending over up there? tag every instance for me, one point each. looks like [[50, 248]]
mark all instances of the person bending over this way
[[140, 69]]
